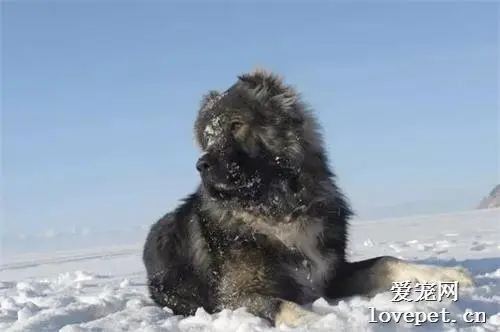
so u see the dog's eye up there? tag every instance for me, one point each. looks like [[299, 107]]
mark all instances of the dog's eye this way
[[235, 126]]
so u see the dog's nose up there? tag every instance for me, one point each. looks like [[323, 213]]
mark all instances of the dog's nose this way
[[203, 164]]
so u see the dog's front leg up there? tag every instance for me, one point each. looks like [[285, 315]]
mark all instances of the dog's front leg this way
[[246, 281]]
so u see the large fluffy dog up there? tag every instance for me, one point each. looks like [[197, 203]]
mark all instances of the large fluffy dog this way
[[267, 228]]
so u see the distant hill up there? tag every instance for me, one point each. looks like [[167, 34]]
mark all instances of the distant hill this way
[[492, 200]]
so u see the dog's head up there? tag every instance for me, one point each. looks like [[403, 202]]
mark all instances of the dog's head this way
[[255, 138]]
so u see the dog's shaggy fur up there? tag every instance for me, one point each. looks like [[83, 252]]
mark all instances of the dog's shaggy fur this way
[[267, 227]]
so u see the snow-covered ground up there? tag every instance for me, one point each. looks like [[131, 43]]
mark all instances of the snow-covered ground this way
[[103, 288]]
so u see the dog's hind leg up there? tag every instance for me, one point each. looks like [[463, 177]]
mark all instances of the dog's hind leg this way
[[376, 275], [178, 290]]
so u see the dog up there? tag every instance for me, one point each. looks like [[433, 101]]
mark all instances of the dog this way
[[267, 227]]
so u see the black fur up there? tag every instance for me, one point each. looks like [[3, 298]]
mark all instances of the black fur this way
[[268, 223]]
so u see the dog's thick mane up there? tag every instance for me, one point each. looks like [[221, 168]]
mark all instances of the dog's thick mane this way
[[284, 213]]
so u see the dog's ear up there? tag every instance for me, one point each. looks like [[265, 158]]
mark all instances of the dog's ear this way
[[209, 100], [269, 90]]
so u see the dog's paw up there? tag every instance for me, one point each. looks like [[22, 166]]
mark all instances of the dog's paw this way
[[446, 274], [305, 319], [459, 274], [293, 315]]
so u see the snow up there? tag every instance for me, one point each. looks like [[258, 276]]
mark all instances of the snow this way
[[213, 129], [102, 288]]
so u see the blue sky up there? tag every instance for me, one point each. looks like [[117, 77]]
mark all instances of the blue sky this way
[[99, 99]]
